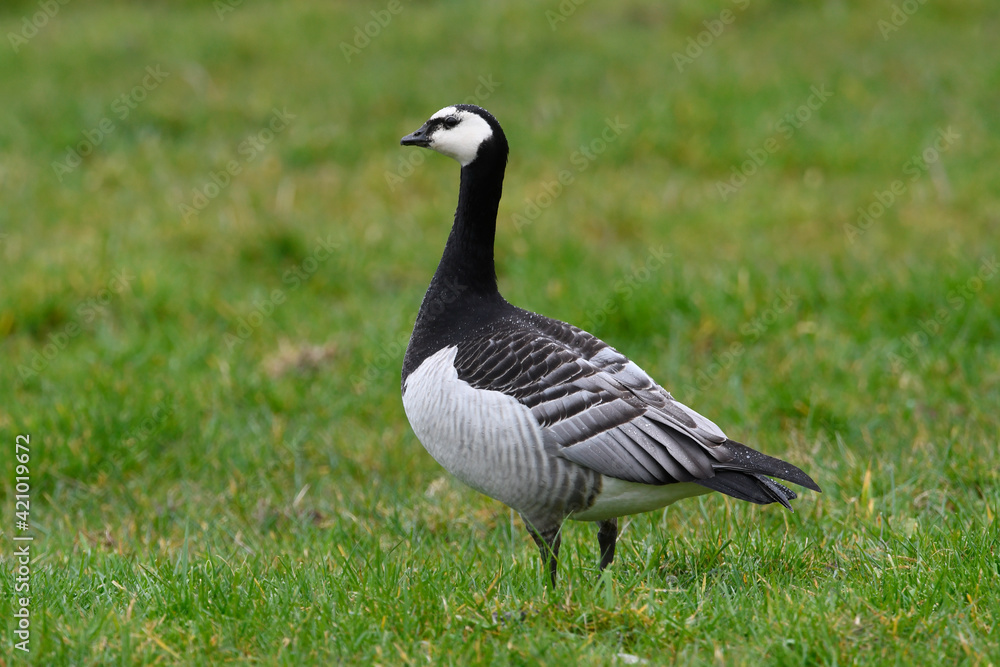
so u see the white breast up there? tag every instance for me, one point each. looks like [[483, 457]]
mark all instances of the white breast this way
[[486, 439]]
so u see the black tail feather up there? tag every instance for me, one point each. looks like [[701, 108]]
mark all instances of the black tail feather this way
[[743, 477], [749, 486]]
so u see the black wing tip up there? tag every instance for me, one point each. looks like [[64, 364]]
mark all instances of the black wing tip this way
[[751, 487], [812, 486], [749, 460], [747, 476]]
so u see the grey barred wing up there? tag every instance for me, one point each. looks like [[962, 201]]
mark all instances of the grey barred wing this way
[[594, 406]]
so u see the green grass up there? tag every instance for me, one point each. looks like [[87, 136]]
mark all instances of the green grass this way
[[220, 467]]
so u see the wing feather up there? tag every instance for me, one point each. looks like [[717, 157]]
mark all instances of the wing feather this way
[[682, 465], [624, 460], [595, 407], [600, 410]]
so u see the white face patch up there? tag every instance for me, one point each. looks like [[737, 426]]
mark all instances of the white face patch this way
[[461, 141]]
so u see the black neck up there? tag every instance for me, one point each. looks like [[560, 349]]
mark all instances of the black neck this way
[[463, 292], [468, 255]]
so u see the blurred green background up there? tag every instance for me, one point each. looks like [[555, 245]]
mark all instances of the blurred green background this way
[[213, 249]]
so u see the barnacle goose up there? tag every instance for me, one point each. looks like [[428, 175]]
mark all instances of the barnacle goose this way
[[535, 412]]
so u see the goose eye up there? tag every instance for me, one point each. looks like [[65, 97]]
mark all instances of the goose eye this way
[[450, 122]]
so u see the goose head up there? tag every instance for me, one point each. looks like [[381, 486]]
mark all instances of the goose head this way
[[464, 132]]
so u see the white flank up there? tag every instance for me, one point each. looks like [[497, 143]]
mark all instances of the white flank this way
[[484, 438], [619, 498], [462, 141]]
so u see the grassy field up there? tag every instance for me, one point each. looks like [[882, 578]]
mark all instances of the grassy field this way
[[213, 249]]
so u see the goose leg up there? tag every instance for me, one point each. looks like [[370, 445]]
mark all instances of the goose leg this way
[[548, 546], [607, 535]]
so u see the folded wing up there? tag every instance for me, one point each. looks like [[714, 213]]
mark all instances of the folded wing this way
[[600, 410]]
